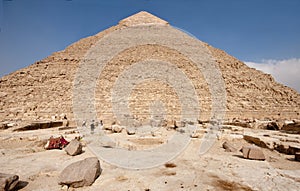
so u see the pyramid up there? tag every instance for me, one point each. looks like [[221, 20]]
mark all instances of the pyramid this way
[[142, 18], [162, 67]]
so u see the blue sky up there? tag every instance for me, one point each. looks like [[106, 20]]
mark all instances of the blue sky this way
[[259, 32]]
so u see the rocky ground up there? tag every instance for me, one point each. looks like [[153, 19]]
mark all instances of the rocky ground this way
[[22, 153]]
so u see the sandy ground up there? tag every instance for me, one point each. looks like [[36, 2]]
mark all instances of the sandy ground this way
[[22, 153]]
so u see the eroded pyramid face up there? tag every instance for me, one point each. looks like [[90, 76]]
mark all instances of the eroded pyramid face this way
[[146, 73], [143, 75], [123, 69], [45, 89]]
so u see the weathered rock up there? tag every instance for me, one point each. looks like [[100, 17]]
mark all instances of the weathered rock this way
[[239, 123], [255, 140], [194, 134], [156, 122], [107, 127], [228, 147], [64, 188], [180, 124], [65, 123], [288, 148], [270, 125], [297, 156], [63, 116], [8, 181], [197, 133], [130, 131], [3, 126], [171, 124], [292, 128], [253, 152], [81, 173], [281, 142], [40, 125], [74, 148], [116, 128]]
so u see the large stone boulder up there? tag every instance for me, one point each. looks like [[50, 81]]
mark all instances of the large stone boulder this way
[[81, 173], [74, 148], [253, 152], [8, 181]]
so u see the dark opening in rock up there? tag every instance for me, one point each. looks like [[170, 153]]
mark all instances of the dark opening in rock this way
[[40, 125]]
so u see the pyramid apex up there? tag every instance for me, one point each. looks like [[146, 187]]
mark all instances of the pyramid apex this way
[[142, 18]]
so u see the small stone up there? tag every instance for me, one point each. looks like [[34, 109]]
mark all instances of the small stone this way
[[117, 128], [63, 116], [253, 152], [74, 148], [64, 188], [65, 123], [107, 127], [130, 131], [180, 123], [81, 173], [8, 181], [156, 122], [3, 126], [195, 134], [171, 124]]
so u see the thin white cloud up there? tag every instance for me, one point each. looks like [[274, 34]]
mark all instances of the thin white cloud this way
[[286, 72]]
